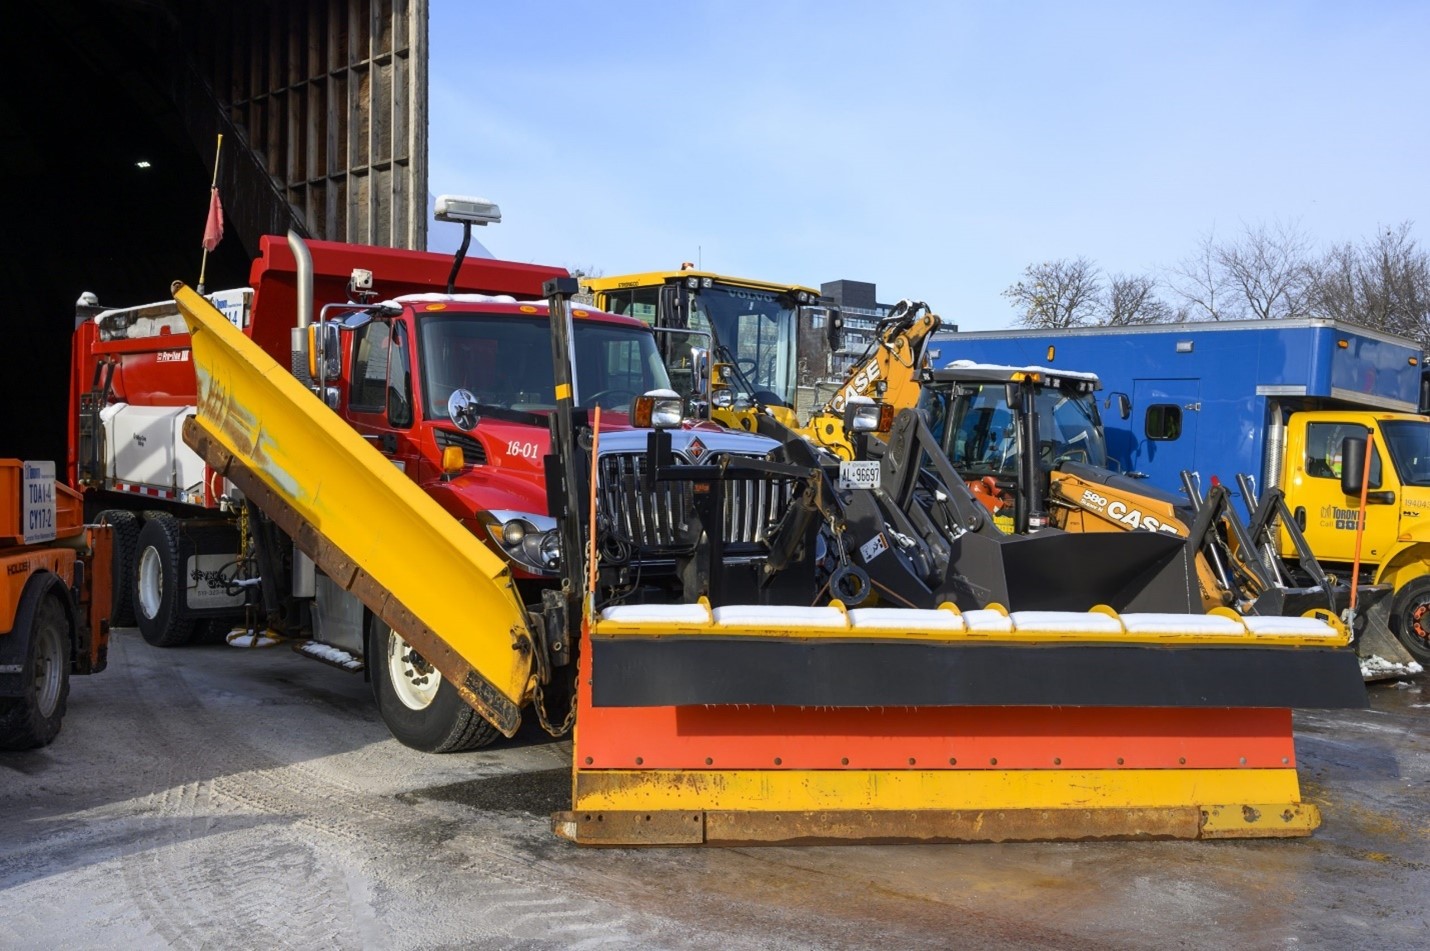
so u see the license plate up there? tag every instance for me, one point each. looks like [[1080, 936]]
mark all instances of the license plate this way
[[859, 475]]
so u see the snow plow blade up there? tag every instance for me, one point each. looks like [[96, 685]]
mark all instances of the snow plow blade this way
[[768, 724], [365, 524]]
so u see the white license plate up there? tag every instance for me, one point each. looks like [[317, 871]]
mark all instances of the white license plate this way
[[859, 475]]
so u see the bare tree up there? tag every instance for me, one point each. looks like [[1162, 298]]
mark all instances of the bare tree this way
[[1201, 284], [1057, 294], [1383, 283], [1270, 269], [1267, 272], [1132, 299]]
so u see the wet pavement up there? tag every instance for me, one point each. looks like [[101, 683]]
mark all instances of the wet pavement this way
[[210, 797]]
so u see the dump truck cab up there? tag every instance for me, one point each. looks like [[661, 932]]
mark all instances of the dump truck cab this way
[[456, 390], [732, 343]]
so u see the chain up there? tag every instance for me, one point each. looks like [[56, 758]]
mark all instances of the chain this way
[[545, 722]]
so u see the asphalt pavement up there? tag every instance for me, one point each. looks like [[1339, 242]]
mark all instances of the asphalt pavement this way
[[209, 797]]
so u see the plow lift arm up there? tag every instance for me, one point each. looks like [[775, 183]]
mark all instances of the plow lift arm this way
[[1366, 612]]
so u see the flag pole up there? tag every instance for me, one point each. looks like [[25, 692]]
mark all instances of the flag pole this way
[[204, 264]]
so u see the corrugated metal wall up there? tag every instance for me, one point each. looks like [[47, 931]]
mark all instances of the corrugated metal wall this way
[[330, 96]]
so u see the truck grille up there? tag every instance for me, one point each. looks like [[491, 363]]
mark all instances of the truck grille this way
[[664, 518], [473, 453]]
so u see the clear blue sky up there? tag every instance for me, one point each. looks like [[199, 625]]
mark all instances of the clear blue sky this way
[[935, 149]]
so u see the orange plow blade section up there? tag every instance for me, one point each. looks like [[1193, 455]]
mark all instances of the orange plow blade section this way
[[693, 731]]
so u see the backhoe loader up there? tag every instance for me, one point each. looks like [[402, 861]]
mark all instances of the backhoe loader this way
[[1064, 480], [1030, 441]]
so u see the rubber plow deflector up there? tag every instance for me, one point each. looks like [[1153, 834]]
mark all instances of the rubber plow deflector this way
[[760, 724]]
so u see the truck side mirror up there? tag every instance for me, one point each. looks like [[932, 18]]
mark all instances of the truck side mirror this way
[[701, 370], [462, 410], [1124, 404], [671, 313], [834, 329], [1353, 465], [324, 352]]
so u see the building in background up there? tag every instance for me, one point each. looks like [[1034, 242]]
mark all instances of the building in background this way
[[111, 124]]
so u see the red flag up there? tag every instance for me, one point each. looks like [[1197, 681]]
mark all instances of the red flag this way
[[213, 230]]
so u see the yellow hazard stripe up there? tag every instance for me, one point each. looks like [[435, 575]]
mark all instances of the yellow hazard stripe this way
[[805, 790]]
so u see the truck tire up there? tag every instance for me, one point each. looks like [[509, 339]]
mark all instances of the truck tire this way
[[159, 607], [126, 537], [1410, 618], [420, 707], [33, 719]]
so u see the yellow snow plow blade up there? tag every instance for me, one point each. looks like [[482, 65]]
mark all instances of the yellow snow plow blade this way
[[364, 523], [768, 724]]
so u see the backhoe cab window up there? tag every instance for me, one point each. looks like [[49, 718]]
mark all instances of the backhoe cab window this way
[[505, 362], [638, 302], [754, 332], [984, 434]]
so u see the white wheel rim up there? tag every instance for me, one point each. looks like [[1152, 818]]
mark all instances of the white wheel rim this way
[[49, 658], [151, 583], [414, 681]]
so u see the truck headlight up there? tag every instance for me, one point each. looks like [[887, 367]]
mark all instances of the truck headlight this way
[[658, 409], [531, 541]]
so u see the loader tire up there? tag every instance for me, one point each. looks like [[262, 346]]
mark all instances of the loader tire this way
[[126, 538], [1410, 619], [33, 719], [420, 707], [159, 607]]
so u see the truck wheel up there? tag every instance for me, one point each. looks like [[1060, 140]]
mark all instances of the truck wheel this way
[[159, 607], [126, 537], [421, 708], [33, 719], [1410, 618]]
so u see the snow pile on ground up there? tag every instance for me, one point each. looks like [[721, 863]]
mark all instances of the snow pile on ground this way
[[331, 654], [240, 637], [1376, 667]]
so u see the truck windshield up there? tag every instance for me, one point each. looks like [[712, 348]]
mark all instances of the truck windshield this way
[[978, 429], [754, 331], [504, 360], [1408, 442]]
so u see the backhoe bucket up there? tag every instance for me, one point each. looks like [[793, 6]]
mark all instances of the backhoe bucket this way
[[1058, 571], [758, 724], [1374, 638]]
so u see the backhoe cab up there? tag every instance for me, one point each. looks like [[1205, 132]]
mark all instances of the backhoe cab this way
[[729, 343]]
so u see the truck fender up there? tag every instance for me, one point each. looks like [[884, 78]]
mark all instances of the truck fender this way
[[15, 646], [1405, 563]]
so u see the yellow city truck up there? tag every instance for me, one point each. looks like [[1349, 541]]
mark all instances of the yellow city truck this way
[[732, 342]]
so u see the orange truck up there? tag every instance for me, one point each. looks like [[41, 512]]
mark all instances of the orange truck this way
[[54, 600]]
